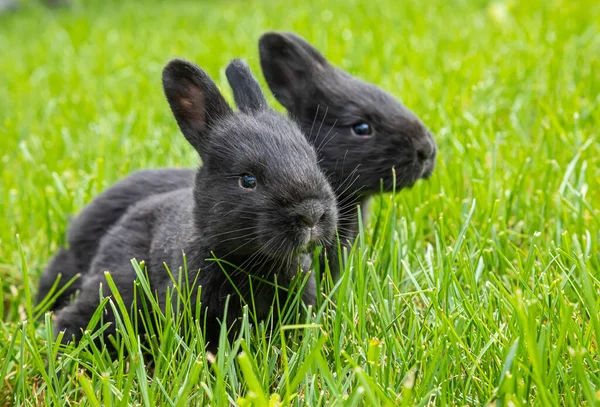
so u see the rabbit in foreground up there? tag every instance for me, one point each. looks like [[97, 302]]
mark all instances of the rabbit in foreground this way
[[360, 132], [258, 201]]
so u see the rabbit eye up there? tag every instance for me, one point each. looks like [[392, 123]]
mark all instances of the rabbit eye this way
[[248, 181], [362, 129]]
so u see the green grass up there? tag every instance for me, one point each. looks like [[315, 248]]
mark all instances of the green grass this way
[[479, 286]]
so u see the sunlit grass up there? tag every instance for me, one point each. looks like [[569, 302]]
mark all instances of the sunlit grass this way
[[477, 286]]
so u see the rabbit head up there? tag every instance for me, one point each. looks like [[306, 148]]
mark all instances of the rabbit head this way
[[360, 132], [260, 190]]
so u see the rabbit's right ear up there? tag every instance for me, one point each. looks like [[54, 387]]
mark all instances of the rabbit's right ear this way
[[291, 67], [194, 99]]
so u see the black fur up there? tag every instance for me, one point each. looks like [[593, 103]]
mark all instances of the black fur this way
[[326, 102], [247, 94], [261, 230], [91, 224]]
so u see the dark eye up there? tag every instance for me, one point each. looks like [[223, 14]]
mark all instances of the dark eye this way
[[362, 129], [248, 181]]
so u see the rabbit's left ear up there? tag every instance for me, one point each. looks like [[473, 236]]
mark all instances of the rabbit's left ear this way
[[291, 67], [247, 93]]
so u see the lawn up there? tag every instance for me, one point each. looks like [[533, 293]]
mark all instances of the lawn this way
[[481, 285]]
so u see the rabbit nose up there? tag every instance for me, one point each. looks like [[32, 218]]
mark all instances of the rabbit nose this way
[[311, 216], [426, 148]]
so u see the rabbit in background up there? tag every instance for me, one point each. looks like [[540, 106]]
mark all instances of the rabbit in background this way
[[360, 133], [258, 202]]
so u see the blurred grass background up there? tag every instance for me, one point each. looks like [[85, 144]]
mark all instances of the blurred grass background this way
[[510, 89]]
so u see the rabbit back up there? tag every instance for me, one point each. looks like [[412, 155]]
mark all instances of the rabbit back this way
[[89, 227]]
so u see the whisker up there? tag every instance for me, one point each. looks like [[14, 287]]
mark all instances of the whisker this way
[[231, 231], [348, 178], [239, 247], [326, 141], [349, 186], [314, 121], [322, 121], [239, 237]]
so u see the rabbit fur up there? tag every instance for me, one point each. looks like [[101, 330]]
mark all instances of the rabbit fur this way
[[258, 201]]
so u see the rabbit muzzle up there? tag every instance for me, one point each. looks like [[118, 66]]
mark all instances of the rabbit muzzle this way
[[426, 152], [315, 223]]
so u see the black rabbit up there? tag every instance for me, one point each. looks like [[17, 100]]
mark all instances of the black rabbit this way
[[360, 132], [258, 201]]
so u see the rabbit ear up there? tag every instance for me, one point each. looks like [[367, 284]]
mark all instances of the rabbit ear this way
[[291, 67], [194, 99], [246, 90]]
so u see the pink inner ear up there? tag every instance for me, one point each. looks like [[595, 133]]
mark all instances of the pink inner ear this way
[[192, 103]]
